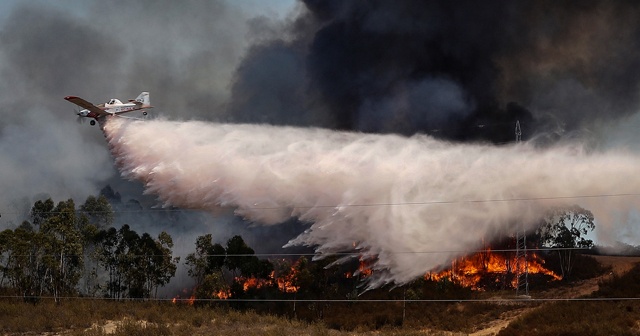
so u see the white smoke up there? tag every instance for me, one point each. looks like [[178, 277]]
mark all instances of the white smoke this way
[[414, 203]]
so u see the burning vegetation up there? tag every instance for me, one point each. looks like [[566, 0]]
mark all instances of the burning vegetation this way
[[235, 272], [285, 282], [496, 269]]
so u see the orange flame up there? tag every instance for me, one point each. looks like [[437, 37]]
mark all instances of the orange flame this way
[[253, 282], [469, 271], [285, 282], [222, 294], [188, 301], [363, 269]]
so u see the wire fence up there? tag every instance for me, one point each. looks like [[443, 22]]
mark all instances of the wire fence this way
[[505, 299]]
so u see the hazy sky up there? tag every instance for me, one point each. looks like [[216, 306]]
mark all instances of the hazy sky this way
[[183, 53], [460, 71], [464, 71]]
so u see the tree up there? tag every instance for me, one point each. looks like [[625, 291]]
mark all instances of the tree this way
[[98, 211], [45, 257], [241, 257], [24, 261], [107, 255], [62, 243], [6, 238], [208, 259], [163, 264], [212, 286], [566, 229], [137, 265], [95, 214], [302, 274], [41, 211]]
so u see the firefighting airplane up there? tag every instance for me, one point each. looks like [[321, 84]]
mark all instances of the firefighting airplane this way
[[113, 107]]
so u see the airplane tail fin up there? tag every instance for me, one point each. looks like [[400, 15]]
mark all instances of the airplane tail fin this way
[[143, 99]]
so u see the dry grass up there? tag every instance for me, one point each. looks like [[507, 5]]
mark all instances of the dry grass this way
[[100, 317], [97, 317], [599, 317]]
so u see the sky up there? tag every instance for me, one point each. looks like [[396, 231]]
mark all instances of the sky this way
[[98, 51], [461, 72]]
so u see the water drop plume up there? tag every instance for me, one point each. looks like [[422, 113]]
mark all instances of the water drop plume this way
[[413, 204]]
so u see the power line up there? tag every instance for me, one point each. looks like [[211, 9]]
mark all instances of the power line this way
[[434, 202], [337, 254]]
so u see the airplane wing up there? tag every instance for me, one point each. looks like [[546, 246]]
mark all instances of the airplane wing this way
[[87, 105]]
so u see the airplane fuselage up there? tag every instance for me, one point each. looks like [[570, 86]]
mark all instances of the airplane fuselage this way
[[113, 107], [110, 110]]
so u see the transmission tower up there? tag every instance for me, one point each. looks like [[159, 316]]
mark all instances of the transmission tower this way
[[522, 266]]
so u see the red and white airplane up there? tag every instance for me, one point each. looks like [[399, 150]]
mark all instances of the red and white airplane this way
[[113, 107]]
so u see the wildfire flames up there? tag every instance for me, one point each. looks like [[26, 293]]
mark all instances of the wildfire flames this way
[[190, 301], [223, 294], [284, 282], [469, 271], [252, 282], [363, 270]]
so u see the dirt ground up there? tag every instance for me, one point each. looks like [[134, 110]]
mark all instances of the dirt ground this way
[[619, 265]]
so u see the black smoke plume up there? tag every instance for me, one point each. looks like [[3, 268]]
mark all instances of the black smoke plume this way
[[462, 70]]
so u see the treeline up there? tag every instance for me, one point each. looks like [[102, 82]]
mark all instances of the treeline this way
[[67, 251], [64, 250]]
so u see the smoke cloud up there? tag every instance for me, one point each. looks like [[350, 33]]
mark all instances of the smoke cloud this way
[[445, 68], [183, 55], [413, 203], [460, 71]]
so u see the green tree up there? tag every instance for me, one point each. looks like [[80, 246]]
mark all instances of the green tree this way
[[162, 265], [208, 258], [24, 267], [137, 265], [45, 257], [6, 238], [90, 233], [212, 286], [41, 211], [98, 211], [566, 229], [127, 252], [240, 257], [107, 254], [63, 252]]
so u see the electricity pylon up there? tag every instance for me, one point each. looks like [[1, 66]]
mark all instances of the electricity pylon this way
[[522, 266]]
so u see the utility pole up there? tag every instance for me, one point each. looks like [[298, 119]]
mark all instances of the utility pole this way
[[522, 266]]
